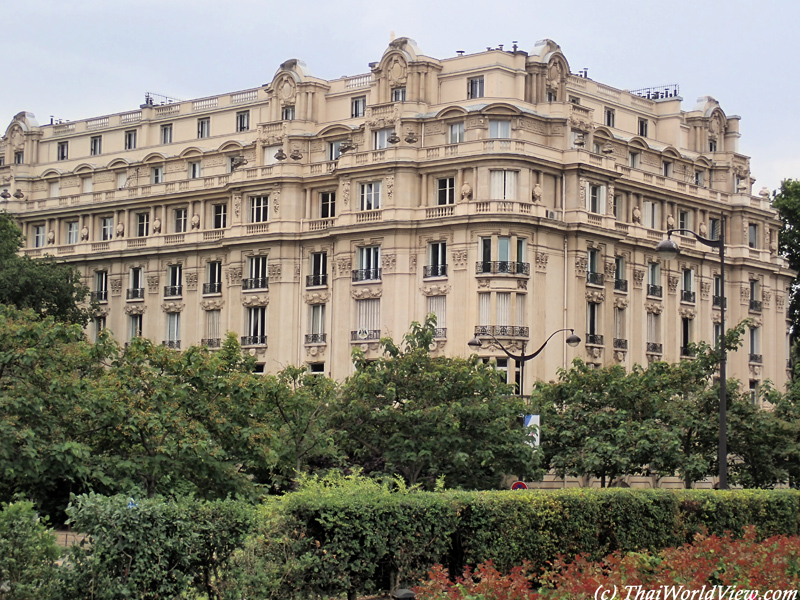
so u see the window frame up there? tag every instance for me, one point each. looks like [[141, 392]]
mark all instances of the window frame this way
[[259, 208], [358, 107], [498, 127], [130, 139], [142, 224], [370, 196], [220, 215], [95, 145], [398, 94], [106, 229], [445, 191], [62, 151], [327, 204], [475, 87], [165, 133], [242, 121], [458, 129], [203, 127]]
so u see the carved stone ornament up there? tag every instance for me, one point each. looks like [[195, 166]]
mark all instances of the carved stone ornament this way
[[152, 284], [191, 281], [705, 289], [84, 233], [102, 311], [234, 274], [672, 283], [315, 350], [755, 371], [619, 355], [412, 263], [172, 307], [637, 215], [388, 262], [703, 229], [275, 198], [779, 301], [51, 237], [595, 297], [594, 352], [582, 189], [344, 265], [522, 284], [212, 304], [135, 309], [435, 290], [466, 191], [655, 308], [317, 298], [237, 203], [744, 294], [156, 225], [389, 188], [396, 71], [766, 295], [621, 303], [755, 323], [195, 221], [116, 286], [687, 313], [255, 300], [670, 222], [537, 193], [362, 293], [581, 264], [638, 277], [541, 261], [611, 269], [483, 284], [345, 190], [460, 259], [716, 317], [297, 272], [274, 272]]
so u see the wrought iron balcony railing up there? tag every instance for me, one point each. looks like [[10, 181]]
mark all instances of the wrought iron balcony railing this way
[[365, 334], [620, 344], [595, 278], [366, 275], [174, 344], [593, 339], [173, 290], [211, 342], [440, 333], [755, 358], [134, 293], [101, 296], [501, 330], [718, 301], [755, 305], [255, 283], [687, 296], [687, 351], [654, 348], [254, 340], [212, 288], [316, 338], [654, 290], [434, 271], [317, 280], [500, 267], [621, 285]]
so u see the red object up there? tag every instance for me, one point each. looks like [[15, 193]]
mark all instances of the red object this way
[[519, 485]]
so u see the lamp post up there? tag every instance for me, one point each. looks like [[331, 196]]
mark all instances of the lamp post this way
[[668, 249], [572, 340]]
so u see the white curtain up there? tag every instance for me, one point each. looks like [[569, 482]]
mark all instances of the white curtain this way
[[369, 314], [437, 305], [503, 308], [484, 308]]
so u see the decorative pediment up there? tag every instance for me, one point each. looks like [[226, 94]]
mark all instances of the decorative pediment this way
[[362, 293], [172, 307], [435, 290], [687, 313], [595, 297], [621, 303], [212, 304], [317, 298], [135, 309], [655, 308], [255, 300]]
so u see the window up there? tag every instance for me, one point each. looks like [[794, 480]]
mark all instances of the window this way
[[62, 151], [368, 319], [667, 168], [287, 113], [72, 232], [619, 211], [592, 315], [574, 100], [38, 236], [142, 224], [122, 180], [592, 261], [712, 146], [596, 148], [752, 235], [269, 154], [684, 219], [259, 209], [258, 275], [174, 281], [371, 195], [552, 96], [243, 120], [643, 123], [100, 286], [652, 214], [55, 189], [399, 94], [755, 344], [633, 160], [596, 199], [95, 145], [653, 332], [503, 185], [106, 228], [619, 274], [99, 325], [369, 262], [380, 138], [437, 260], [194, 169], [19, 158], [327, 205], [609, 117], [475, 87], [157, 175], [256, 326], [173, 330], [620, 337], [446, 190], [334, 150], [654, 280], [220, 216], [699, 178], [437, 305], [203, 127], [212, 339], [499, 128], [358, 107], [213, 284], [179, 220], [316, 324], [319, 269], [688, 293], [134, 326], [86, 185], [166, 134], [130, 140], [135, 283], [686, 336], [456, 133], [714, 229]]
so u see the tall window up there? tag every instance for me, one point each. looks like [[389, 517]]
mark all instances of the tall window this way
[[287, 113], [620, 336], [652, 214], [179, 222], [688, 293], [633, 160], [72, 232], [686, 336], [755, 344], [101, 286], [157, 175], [243, 120], [213, 283], [259, 209], [136, 283], [166, 134], [213, 330], [86, 185], [256, 326], [258, 278], [134, 326], [399, 94], [620, 282], [437, 305], [446, 190], [654, 280], [684, 219], [369, 263], [592, 327], [62, 151], [714, 228], [653, 331], [596, 199], [380, 138], [667, 168], [609, 117], [174, 281], [371, 195], [19, 158], [368, 319], [475, 87], [99, 325], [195, 169], [437, 260], [54, 189], [220, 216], [327, 205], [142, 224], [106, 228], [38, 236], [752, 235], [203, 127], [643, 127], [358, 107], [130, 140], [95, 145], [699, 178], [319, 269], [173, 330], [316, 324], [334, 150], [499, 128], [456, 131], [503, 185]]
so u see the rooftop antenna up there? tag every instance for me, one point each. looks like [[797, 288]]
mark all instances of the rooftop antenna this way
[[460, 52], [514, 45]]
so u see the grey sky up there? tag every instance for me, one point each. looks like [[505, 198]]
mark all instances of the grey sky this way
[[85, 58]]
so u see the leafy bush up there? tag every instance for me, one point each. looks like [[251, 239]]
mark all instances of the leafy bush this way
[[28, 552]]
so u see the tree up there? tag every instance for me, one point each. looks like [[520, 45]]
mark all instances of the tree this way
[[787, 203], [423, 417], [43, 284]]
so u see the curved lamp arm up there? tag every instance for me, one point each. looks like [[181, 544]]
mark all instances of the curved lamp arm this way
[[707, 241], [527, 357]]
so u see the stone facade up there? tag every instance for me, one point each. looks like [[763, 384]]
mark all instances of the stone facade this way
[[498, 190]]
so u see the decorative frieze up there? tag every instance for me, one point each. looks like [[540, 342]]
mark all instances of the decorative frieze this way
[[363, 293], [779, 301], [672, 283], [595, 296], [344, 266], [459, 259], [191, 281], [234, 275], [116, 286], [435, 290], [388, 262], [274, 272], [581, 265], [250, 301], [216, 304], [744, 294], [655, 308], [522, 284], [412, 263], [152, 284], [705, 289], [172, 307], [135, 309], [317, 298], [638, 278], [541, 261], [687, 313], [621, 303]]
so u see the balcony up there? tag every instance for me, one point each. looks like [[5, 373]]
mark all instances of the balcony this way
[[654, 290], [620, 344], [365, 334], [654, 348], [101, 296], [434, 271], [595, 278], [211, 342], [756, 305], [756, 358], [172, 344], [687, 296], [501, 330], [593, 339], [134, 293], [367, 275], [316, 338], [718, 301], [255, 283], [621, 285], [318, 280], [687, 351], [254, 340], [212, 288], [173, 290], [502, 267], [440, 333]]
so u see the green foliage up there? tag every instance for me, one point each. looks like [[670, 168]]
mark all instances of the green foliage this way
[[425, 417], [28, 552], [43, 284], [787, 203]]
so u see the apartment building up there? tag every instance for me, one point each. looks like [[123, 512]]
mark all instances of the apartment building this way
[[498, 190]]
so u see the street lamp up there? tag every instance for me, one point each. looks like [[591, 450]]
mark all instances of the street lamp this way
[[572, 340], [668, 249]]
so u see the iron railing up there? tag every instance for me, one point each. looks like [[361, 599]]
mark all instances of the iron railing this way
[[621, 285], [499, 267], [212, 288], [316, 338], [654, 290], [319, 279], [595, 278], [255, 283], [366, 275], [501, 330], [173, 290], [718, 301], [654, 347], [134, 293], [101, 296], [254, 340], [755, 305], [434, 271], [594, 339], [756, 358], [174, 344], [365, 334], [211, 342], [620, 344], [687, 296]]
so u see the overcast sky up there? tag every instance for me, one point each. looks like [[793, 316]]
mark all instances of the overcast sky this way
[[75, 59]]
